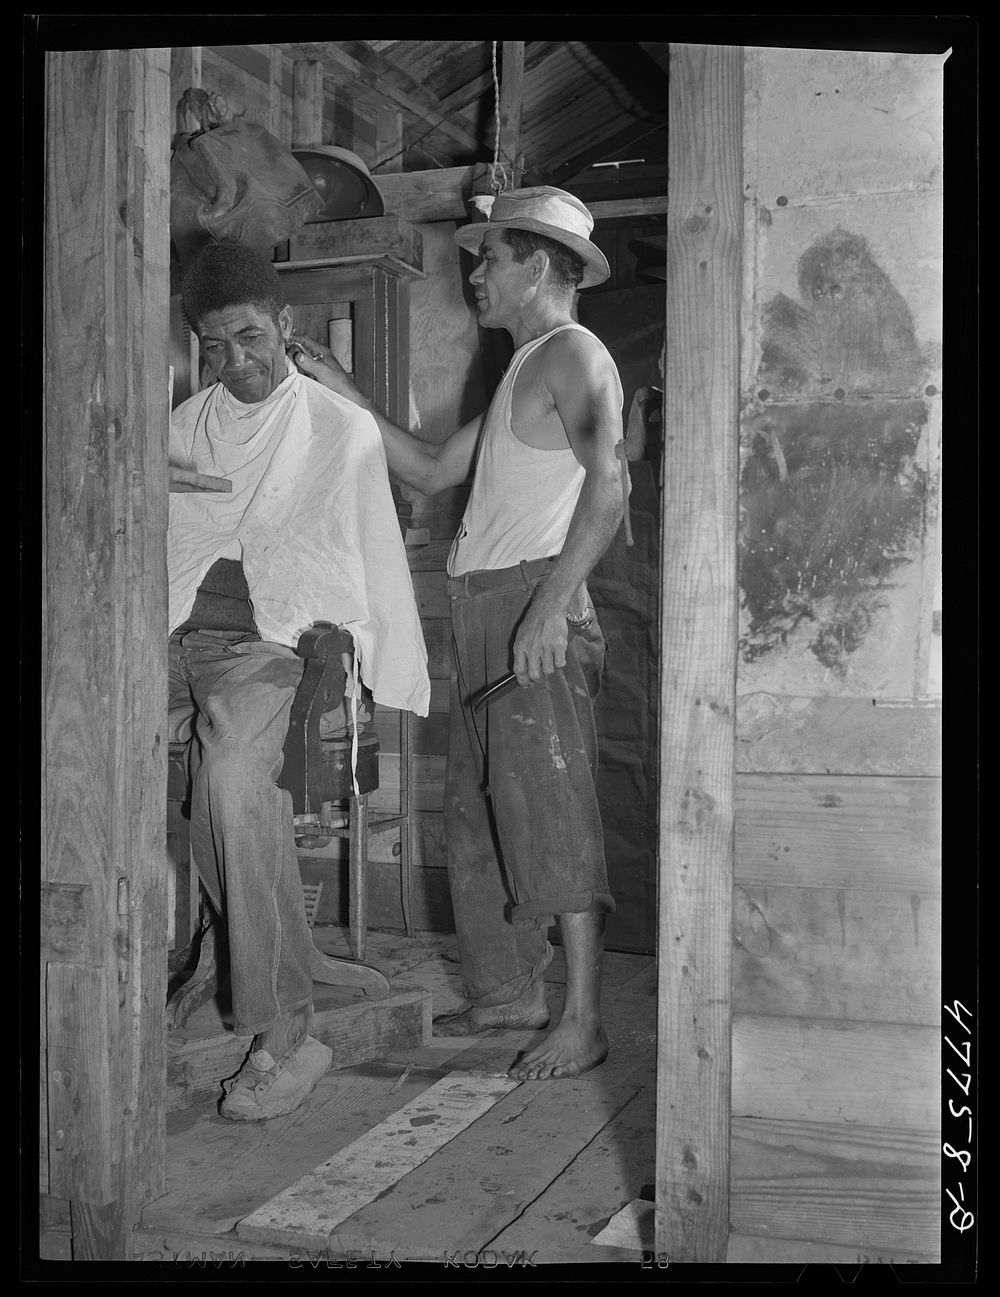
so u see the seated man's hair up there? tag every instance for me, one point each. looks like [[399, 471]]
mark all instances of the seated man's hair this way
[[567, 267], [227, 274]]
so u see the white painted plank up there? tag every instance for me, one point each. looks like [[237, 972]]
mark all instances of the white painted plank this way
[[309, 1209], [633, 1227]]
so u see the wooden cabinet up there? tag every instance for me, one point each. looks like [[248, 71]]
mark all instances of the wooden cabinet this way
[[363, 314], [348, 285]]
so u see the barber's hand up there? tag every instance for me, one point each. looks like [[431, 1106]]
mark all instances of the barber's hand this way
[[320, 363], [539, 645]]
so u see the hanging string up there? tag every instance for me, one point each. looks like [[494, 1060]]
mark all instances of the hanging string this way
[[497, 185]]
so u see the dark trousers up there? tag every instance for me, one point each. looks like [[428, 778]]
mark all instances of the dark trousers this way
[[522, 821]]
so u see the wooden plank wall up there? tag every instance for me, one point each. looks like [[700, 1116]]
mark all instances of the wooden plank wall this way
[[837, 900], [103, 860]]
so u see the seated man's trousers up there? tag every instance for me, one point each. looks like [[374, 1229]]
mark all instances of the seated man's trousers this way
[[240, 689]]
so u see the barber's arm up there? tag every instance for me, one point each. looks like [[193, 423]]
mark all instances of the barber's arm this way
[[427, 466], [583, 386]]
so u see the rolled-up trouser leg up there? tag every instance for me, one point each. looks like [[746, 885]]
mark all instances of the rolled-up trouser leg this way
[[534, 847]]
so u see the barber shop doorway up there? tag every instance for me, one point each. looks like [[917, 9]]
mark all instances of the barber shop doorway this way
[[108, 1067]]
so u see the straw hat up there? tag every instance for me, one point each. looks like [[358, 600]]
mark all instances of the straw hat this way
[[544, 210]]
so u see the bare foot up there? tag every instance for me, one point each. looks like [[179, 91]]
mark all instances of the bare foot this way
[[528, 1011], [574, 1047]]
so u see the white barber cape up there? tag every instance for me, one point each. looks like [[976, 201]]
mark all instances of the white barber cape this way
[[312, 519]]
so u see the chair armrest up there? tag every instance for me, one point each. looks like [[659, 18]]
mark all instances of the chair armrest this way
[[320, 690], [323, 639]]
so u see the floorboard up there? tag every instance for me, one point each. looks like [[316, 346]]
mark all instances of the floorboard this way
[[220, 1171], [371, 1166], [221, 1174], [619, 1164], [540, 1173], [474, 1187]]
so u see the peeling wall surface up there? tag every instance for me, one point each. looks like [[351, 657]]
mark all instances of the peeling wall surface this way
[[840, 430], [837, 857]]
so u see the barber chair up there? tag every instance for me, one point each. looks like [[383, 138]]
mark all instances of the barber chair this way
[[317, 771]]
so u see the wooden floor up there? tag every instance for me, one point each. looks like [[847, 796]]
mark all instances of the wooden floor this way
[[428, 1153], [507, 1171]]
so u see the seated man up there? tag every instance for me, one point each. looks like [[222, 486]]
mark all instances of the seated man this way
[[308, 533]]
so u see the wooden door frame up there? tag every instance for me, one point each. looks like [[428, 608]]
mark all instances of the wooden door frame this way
[[106, 470], [104, 868], [698, 611]]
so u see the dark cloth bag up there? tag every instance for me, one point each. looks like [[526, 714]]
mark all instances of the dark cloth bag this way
[[233, 182]]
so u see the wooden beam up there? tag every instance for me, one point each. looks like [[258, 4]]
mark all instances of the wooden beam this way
[[640, 208], [185, 67], [467, 94], [305, 284], [275, 91], [307, 103], [438, 194], [142, 253], [535, 54], [389, 141], [389, 72], [511, 101], [418, 101], [698, 651], [373, 238]]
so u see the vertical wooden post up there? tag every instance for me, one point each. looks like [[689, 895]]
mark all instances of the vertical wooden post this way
[[511, 100], [275, 91], [389, 140], [185, 67], [108, 122], [307, 103], [698, 650]]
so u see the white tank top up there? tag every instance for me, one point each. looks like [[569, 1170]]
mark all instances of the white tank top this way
[[522, 497]]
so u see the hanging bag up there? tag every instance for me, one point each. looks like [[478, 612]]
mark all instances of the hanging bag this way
[[233, 182]]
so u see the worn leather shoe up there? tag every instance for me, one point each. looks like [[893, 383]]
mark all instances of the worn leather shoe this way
[[269, 1087]]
